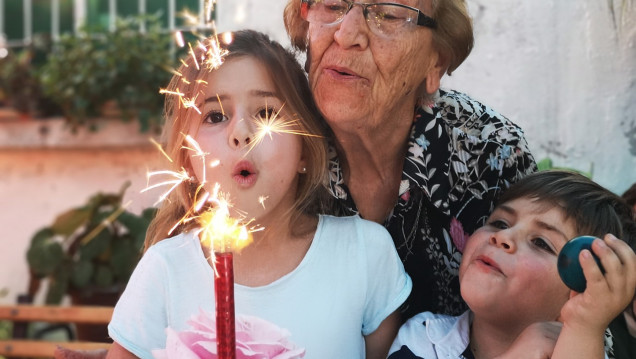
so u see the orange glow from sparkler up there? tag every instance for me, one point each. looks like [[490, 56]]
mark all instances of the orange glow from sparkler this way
[[222, 233]]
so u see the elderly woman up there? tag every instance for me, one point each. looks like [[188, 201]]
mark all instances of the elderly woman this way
[[424, 162]]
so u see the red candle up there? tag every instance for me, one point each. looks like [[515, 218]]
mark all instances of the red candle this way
[[224, 295]]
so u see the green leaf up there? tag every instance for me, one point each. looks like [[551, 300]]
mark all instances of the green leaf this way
[[103, 276], [45, 254], [70, 221], [97, 246], [132, 222], [124, 259], [149, 213], [58, 286], [544, 164], [42, 235], [82, 273]]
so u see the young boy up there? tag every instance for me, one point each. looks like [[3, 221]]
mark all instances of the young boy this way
[[519, 307]]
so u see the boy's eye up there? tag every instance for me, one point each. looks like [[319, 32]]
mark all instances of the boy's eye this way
[[499, 224], [268, 113], [215, 117], [543, 245]]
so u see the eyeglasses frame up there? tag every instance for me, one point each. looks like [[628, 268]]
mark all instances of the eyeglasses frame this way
[[422, 19]]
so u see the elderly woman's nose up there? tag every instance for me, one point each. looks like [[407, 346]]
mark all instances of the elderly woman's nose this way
[[353, 30]]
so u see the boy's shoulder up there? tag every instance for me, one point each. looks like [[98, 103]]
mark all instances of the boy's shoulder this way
[[436, 325], [430, 335]]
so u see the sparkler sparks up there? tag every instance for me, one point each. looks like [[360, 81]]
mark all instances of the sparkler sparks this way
[[178, 36], [275, 123], [262, 199]]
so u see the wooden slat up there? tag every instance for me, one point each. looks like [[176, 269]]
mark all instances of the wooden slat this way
[[57, 314], [37, 348]]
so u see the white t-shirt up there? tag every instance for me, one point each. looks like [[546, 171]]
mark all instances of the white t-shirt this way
[[349, 281]]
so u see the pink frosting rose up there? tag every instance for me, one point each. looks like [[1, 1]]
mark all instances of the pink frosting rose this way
[[256, 338]]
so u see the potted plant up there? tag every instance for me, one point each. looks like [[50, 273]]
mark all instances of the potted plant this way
[[20, 87], [97, 68], [89, 249]]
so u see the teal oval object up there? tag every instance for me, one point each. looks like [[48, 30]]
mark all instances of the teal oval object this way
[[568, 262]]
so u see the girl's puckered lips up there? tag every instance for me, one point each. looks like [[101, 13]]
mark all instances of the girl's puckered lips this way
[[244, 174]]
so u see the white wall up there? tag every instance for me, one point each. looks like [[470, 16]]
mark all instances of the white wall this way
[[565, 71]]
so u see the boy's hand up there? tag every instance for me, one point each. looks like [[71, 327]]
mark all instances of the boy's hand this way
[[606, 296], [537, 341]]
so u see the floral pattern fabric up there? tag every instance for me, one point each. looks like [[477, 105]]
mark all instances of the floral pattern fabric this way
[[461, 154]]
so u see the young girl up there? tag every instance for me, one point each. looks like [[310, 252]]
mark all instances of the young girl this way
[[519, 307], [333, 283]]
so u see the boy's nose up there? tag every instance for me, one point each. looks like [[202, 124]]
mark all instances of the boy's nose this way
[[503, 240]]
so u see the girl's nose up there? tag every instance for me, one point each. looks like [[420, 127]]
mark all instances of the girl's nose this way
[[503, 239], [240, 134]]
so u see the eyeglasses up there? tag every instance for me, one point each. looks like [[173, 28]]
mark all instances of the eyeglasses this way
[[383, 18]]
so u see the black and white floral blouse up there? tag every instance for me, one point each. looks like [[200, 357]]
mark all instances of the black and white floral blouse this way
[[461, 154]]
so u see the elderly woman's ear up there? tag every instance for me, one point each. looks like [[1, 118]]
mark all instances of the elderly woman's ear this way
[[437, 68]]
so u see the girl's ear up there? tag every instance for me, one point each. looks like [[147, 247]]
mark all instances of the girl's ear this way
[[302, 165], [302, 162]]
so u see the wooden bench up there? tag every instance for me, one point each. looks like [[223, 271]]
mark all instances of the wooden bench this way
[[23, 348]]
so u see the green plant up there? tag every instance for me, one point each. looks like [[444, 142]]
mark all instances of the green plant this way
[[20, 87], [546, 164], [89, 247], [96, 67]]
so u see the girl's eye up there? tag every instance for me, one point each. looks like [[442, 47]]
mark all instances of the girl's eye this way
[[543, 245], [268, 112], [215, 117], [499, 224]]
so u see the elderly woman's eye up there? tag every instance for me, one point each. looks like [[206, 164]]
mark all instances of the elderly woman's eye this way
[[335, 6], [215, 117]]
